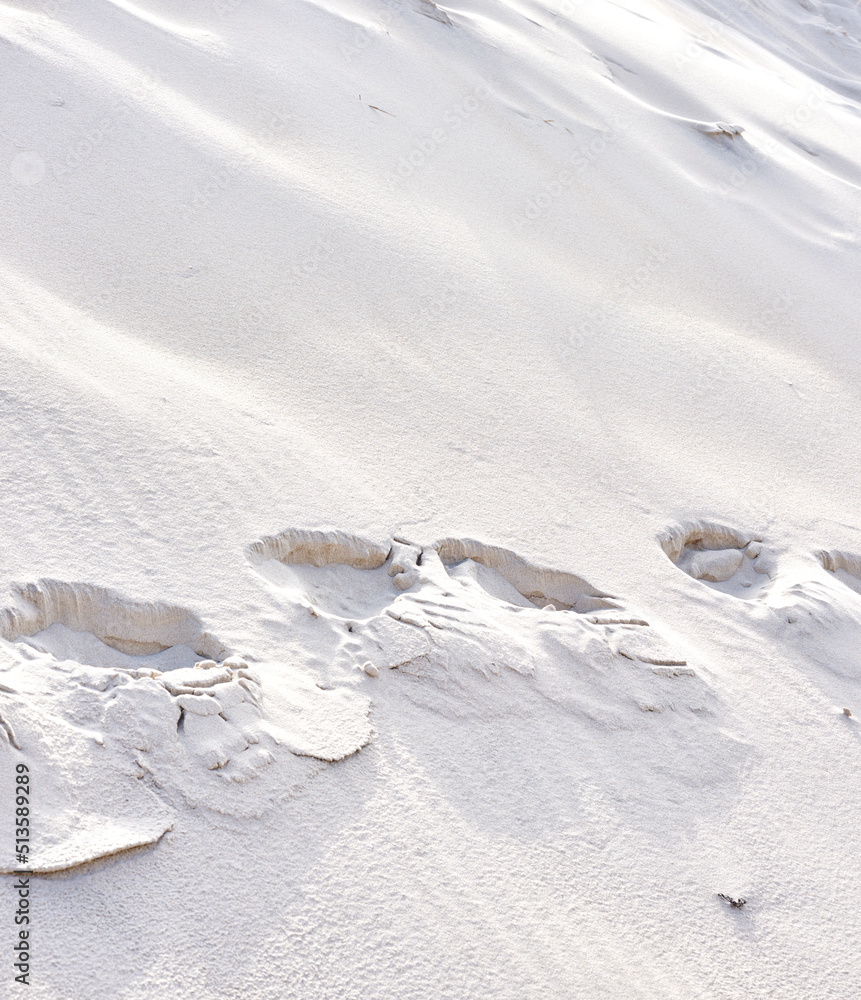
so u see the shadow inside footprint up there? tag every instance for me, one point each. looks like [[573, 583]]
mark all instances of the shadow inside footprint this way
[[351, 577], [459, 612], [720, 557], [845, 566], [132, 628], [329, 570], [141, 678]]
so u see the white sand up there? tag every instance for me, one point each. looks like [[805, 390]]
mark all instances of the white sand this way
[[340, 341]]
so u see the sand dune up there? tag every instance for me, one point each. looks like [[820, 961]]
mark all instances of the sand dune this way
[[431, 486]]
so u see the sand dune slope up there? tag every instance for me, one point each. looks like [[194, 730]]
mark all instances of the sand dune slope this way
[[430, 561]]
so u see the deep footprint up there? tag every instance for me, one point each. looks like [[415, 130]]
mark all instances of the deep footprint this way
[[723, 558], [124, 710], [456, 613]]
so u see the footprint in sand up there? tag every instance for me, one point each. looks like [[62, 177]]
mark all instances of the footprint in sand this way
[[150, 661], [454, 614], [845, 566], [120, 708], [723, 558]]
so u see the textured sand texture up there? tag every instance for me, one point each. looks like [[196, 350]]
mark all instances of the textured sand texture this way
[[430, 550]]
